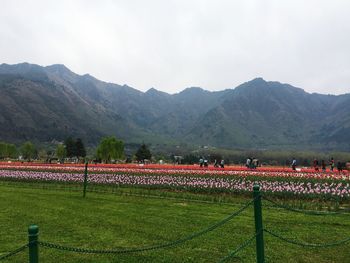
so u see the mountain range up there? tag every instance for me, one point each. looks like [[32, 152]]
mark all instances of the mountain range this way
[[51, 103]]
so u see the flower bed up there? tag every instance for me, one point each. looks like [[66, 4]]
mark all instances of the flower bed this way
[[164, 170], [236, 182]]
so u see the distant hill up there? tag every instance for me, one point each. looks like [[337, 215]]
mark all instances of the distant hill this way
[[51, 103]]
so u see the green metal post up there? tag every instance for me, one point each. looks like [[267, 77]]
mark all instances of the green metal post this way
[[33, 235], [85, 178], [258, 225]]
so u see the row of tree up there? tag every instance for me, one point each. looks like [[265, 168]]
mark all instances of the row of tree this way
[[27, 151], [109, 149]]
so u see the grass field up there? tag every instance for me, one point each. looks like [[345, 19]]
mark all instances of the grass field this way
[[106, 221]]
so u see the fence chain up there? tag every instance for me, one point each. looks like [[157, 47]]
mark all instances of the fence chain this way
[[141, 249], [305, 244], [14, 252], [238, 249], [306, 212]]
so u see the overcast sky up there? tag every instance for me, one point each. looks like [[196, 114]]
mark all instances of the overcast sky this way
[[171, 45]]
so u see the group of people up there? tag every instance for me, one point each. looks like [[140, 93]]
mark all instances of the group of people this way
[[252, 163], [323, 165], [331, 163], [204, 163]]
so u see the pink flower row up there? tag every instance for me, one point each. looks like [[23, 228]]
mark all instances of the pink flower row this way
[[340, 189], [144, 171]]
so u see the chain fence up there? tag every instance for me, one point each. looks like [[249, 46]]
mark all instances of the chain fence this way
[[305, 244], [14, 252], [142, 249], [302, 211], [238, 249]]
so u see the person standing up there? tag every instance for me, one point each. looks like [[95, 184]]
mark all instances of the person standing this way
[[247, 164], [254, 163], [294, 164], [323, 165], [222, 163], [339, 167], [205, 163], [316, 165], [201, 162], [331, 164]]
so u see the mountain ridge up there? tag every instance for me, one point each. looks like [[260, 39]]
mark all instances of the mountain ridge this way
[[52, 102]]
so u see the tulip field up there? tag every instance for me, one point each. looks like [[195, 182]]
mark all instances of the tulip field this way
[[282, 182]]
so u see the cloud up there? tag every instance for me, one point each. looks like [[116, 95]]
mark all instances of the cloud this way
[[174, 44]]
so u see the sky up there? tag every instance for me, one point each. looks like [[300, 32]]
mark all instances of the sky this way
[[174, 44]]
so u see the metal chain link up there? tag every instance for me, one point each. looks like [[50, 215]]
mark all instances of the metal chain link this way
[[305, 244], [14, 252], [241, 247], [166, 245], [306, 212]]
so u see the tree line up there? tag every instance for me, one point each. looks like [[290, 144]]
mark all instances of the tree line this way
[[109, 149]]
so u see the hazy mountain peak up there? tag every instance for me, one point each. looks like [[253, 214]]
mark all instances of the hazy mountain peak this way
[[193, 91], [57, 67], [20, 68], [260, 83], [195, 88], [88, 76], [258, 80], [152, 90]]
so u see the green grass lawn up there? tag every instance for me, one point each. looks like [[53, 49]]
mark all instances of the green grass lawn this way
[[107, 221]]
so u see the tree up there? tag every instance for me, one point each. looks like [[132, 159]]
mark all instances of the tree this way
[[3, 150], [60, 152], [7, 150], [42, 154], [80, 148], [28, 150], [110, 148], [143, 153], [70, 145], [11, 151], [190, 159]]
